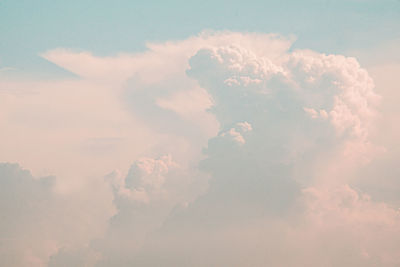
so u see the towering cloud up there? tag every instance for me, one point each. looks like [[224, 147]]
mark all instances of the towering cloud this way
[[287, 124], [253, 153]]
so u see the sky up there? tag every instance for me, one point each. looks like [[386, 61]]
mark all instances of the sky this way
[[199, 133]]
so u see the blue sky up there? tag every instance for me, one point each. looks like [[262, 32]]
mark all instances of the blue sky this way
[[106, 28]]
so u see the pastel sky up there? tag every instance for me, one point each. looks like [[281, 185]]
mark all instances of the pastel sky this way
[[199, 133]]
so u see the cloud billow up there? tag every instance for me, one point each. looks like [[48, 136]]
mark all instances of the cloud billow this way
[[268, 181], [252, 150]]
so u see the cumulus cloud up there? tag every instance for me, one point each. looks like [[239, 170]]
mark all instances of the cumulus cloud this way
[[236, 132], [36, 221], [145, 178], [274, 185], [143, 197], [241, 152]]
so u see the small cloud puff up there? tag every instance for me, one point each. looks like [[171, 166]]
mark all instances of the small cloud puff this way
[[236, 133], [315, 114], [145, 178]]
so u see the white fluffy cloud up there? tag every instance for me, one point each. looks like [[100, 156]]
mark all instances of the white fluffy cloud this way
[[241, 152]]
